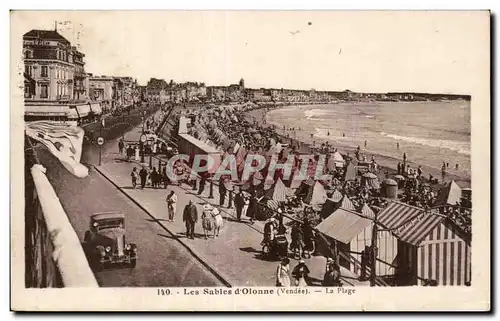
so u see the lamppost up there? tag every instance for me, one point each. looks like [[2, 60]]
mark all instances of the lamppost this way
[[141, 146]]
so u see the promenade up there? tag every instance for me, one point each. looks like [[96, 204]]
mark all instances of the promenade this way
[[235, 255]]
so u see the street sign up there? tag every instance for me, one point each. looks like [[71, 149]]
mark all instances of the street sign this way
[[100, 141]]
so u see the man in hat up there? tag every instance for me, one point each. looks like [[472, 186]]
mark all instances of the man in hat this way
[[190, 217], [143, 174], [239, 202], [171, 205], [222, 191]]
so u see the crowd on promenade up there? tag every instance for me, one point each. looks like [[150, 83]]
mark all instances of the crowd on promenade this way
[[271, 199]]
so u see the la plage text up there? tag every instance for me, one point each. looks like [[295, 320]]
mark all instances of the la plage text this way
[[279, 291]]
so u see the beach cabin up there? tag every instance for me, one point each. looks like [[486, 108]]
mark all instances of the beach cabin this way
[[353, 232], [430, 246]]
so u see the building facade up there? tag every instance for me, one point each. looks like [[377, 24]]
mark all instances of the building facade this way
[[49, 66], [101, 90]]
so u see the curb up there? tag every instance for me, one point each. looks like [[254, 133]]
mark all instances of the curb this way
[[219, 275]]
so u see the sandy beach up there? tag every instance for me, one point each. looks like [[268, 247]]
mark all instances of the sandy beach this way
[[388, 164]]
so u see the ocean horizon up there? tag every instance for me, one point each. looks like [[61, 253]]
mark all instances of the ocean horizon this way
[[430, 133]]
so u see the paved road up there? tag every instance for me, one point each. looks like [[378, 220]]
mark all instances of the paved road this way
[[162, 260]]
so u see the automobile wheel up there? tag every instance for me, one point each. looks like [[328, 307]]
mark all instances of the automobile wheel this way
[[133, 262], [86, 238]]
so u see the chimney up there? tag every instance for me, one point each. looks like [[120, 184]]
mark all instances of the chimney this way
[[55, 26]]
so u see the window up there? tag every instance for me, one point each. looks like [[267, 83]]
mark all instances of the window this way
[[27, 92], [45, 91], [44, 71], [27, 69]]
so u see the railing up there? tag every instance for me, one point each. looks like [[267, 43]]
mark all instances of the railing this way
[[53, 253], [40, 271]]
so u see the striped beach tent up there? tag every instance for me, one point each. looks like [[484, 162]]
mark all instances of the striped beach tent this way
[[277, 192], [316, 195], [430, 246], [347, 204]]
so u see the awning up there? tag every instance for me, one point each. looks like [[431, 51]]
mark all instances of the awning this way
[[343, 225], [413, 222]]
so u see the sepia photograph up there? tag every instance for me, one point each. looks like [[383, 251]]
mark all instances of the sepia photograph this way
[[236, 157]]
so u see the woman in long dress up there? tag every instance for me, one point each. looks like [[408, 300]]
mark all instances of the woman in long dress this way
[[245, 206], [282, 278]]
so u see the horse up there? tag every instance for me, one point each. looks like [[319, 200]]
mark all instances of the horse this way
[[211, 220]]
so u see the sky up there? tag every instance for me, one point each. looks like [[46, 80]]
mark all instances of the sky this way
[[438, 52]]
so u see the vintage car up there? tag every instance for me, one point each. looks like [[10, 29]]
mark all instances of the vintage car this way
[[105, 244]]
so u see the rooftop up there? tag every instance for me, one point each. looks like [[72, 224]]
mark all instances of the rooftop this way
[[45, 34]]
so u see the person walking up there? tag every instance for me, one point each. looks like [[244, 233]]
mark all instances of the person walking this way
[[129, 152], [246, 204], [134, 176], [282, 277], [308, 234], [203, 181], [171, 205], [121, 145], [222, 191], [143, 174], [239, 202], [154, 178], [164, 177], [252, 208], [190, 217], [301, 274]]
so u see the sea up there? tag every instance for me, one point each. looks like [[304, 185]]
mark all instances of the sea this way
[[430, 133]]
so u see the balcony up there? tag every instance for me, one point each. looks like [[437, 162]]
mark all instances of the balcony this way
[[62, 97], [80, 74], [79, 88]]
